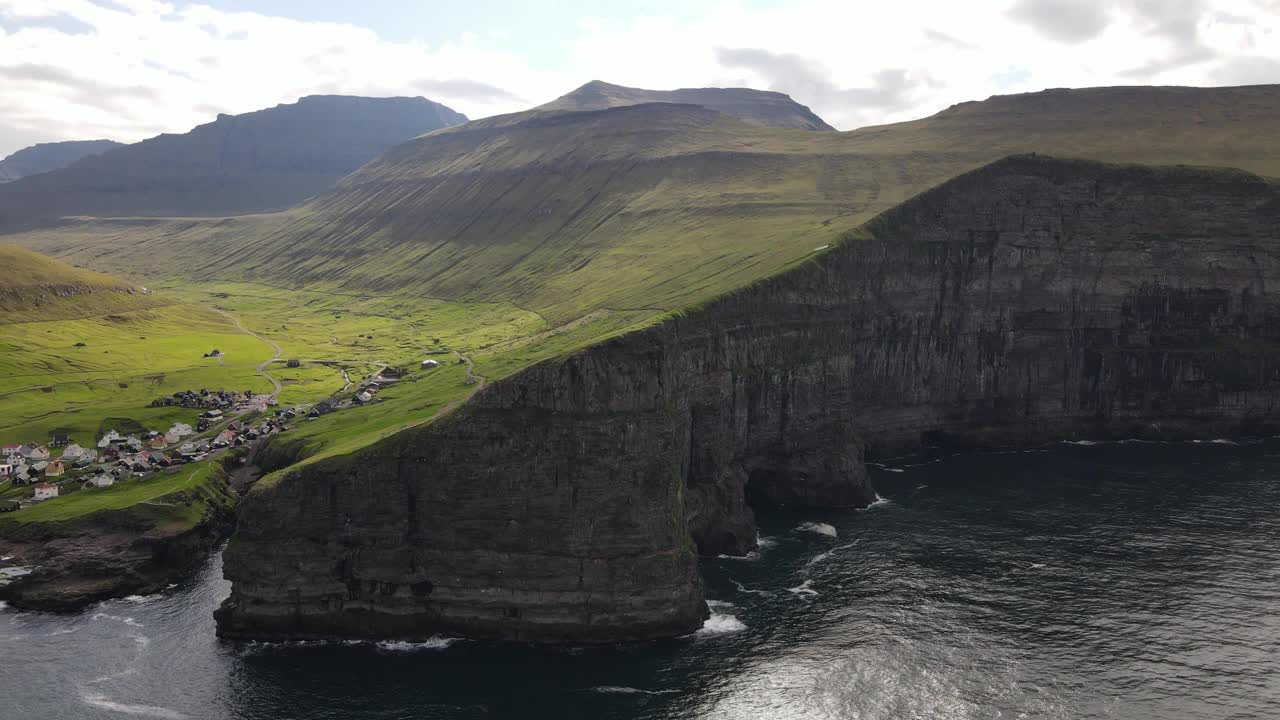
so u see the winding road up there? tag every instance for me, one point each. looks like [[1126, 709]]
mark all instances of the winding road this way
[[262, 367]]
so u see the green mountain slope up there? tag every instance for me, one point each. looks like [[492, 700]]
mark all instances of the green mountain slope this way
[[758, 107], [237, 164], [595, 222], [652, 207], [50, 156]]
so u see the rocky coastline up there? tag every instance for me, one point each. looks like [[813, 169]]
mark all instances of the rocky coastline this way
[[67, 566]]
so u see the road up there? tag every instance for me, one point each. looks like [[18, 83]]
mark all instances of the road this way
[[262, 367]]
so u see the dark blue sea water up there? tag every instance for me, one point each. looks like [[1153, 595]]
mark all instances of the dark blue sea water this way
[[1114, 581]]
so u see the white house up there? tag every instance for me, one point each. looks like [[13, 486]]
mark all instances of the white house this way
[[11, 452], [73, 452], [33, 452], [172, 438], [6, 469], [109, 438], [44, 491], [102, 480]]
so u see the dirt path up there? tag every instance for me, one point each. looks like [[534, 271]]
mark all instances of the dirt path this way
[[262, 367], [479, 382]]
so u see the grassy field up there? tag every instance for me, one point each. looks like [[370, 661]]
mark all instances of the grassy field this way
[[171, 501], [72, 375]]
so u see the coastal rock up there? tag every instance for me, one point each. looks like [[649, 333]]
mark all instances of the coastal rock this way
[[1029, 300], [110, 553]]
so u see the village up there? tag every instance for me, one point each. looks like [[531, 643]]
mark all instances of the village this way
[[230, 420]]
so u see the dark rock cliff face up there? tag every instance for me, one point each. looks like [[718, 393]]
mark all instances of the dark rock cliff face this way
[[1028, 300]]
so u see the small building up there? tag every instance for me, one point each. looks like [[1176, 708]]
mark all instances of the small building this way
[[212, 414], [33, 452], [55, 469], [158, 443], [44, 491], [103, 480], [73, 452], [107, 440], [172, 438], [59, 440], [428, 364], [11, 452], [6, 470]]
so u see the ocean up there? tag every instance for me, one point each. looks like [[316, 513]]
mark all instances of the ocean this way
[[1126, 580]]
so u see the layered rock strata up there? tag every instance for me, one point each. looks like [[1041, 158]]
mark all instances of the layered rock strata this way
[[1029, 300]]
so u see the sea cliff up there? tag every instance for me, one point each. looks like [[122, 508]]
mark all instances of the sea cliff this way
[[1029, 300]]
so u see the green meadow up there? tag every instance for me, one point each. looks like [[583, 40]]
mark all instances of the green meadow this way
[[172, 500]]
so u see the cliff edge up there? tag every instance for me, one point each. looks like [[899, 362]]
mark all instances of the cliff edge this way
[[1028, 300]]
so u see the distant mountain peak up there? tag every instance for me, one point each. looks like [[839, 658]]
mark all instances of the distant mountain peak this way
[[43, 157], [236, 164], [759, 107]]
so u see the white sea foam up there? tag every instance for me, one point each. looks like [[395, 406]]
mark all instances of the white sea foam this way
[[819, 528], [743, 588], [818, 558], [126, 620], [827, 555], [623, 690], [764, 543], [63, 631], [879, 502], [435, 643], [803, 589], [749, 557], [886, 468], [721, 604], [719, 624], [101, 701], [141, 599]]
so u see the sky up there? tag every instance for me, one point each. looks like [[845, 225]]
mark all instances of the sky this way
[[131, 69]]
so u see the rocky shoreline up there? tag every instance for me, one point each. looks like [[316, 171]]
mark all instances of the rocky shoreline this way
[[67, 566]]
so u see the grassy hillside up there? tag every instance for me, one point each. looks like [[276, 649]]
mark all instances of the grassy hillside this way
[[526, 236], [37, 287], [759, 107], [267, 159], [81, 351]]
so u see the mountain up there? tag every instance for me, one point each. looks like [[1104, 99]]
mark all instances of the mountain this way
[[50, 156], [758, 107], [652, 207], [264, 160]]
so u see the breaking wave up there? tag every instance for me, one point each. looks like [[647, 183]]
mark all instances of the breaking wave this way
[[803, 589], [719, 624], [818, 528], [435, 643]]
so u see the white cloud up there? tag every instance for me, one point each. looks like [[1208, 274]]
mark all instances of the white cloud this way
[[128, 69]]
